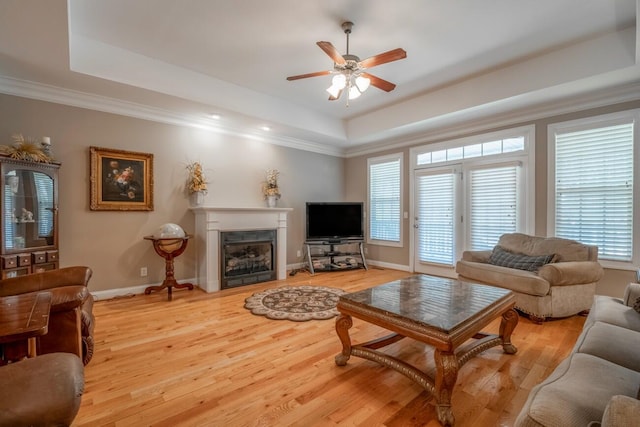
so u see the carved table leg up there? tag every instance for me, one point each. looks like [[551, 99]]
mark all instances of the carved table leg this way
[[343, 323], [507, 325], [446, 376]]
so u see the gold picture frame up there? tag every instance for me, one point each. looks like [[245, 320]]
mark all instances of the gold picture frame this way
[[121, 180]]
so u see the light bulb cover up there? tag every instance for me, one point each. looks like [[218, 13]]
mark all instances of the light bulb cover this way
[[334, 91], [353, 92], [362, 83], [339, 81]]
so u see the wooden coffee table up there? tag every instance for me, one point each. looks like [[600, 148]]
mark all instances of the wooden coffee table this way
[[24, 317], [444, 313]]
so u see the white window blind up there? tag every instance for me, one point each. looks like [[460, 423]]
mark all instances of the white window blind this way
[[384, 200], [436, 217], [493, 205], [594, 189]]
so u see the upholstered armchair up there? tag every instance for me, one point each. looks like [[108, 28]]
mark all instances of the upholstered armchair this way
[[550, 276], [71, 319], [42, 391]]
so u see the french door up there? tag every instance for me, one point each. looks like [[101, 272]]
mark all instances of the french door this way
[[463, 207]]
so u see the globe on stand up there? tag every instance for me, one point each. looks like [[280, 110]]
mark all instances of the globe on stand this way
[[169, 241]]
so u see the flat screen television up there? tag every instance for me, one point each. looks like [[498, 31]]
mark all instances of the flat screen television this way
[[335, 221]]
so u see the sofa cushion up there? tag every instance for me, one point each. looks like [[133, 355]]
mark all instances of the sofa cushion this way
[[524, 282], [610, 342], [612, 310], [565, 250], [577, 392], [621, 411], [500, 256]]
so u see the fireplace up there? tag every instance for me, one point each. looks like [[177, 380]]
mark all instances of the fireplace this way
[[247, 257], [214, 222]]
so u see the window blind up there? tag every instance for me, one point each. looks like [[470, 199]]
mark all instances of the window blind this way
[[384, 201], [436, 207], [594, 189], [493, 205]]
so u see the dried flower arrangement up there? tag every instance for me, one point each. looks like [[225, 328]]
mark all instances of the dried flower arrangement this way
[[197, 182], [25, 149], [270, 185]]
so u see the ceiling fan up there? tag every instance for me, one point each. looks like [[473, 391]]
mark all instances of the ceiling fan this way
[[349, 71]]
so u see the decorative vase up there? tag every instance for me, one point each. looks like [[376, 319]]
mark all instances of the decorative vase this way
[[272, 201], [197, 198]]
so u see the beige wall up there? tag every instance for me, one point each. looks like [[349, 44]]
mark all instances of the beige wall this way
[[613, 282], [112, 243]]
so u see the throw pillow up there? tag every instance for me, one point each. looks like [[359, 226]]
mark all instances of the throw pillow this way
[[500, 256], [636, 305]]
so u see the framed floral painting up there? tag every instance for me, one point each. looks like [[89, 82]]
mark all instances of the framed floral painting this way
[[121, 180]]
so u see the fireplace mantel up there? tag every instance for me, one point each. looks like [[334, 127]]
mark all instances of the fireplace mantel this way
[[210, 221]]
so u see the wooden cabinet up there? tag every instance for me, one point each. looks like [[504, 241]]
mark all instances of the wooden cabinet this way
[[29, 223]]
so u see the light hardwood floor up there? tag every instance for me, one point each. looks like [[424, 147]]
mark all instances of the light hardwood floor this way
[[204, 360]]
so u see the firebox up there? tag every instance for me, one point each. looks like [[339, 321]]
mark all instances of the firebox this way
[[247, 257]]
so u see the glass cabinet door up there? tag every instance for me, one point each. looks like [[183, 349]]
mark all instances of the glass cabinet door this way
[[28, 208]]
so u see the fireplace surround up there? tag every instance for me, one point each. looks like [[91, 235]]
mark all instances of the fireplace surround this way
[[211, 225]]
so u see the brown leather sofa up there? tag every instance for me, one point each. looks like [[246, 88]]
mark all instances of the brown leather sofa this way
[[43, 391], [71, 319]]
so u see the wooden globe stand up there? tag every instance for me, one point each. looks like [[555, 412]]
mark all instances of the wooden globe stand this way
[[169, 248]]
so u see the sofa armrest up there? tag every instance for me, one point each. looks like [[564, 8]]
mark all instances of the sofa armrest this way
[[476, 256], [621, 411], [67, 298], [571, 272], [41, 391], [67, 276], [631, 294]]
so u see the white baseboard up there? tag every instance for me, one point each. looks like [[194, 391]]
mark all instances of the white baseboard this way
[[130, 291], [389, 265], [138, 290]]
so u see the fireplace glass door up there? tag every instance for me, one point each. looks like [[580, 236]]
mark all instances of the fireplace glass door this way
[[247, 257]]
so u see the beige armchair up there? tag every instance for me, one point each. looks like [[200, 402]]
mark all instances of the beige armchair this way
[[554, 277]]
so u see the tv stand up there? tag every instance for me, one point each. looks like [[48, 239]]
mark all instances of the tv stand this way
[[335, 258]]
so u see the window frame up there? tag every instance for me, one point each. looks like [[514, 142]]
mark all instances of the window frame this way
[[594, 122], [378, 160]]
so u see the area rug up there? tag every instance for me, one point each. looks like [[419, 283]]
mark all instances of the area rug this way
[[296, 303]]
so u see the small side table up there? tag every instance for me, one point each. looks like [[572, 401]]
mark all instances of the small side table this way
[[24, 317], [169, 248]]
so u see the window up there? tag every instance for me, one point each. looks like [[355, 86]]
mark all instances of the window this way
[[468, 192], [506, 145], [493, 204], [385, 204], [593, 184], [436, 215]]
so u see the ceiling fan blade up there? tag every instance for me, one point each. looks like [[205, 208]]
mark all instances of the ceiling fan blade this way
[[383, 58], [330, 50], [334, 98], [304, 76], [379, 83]]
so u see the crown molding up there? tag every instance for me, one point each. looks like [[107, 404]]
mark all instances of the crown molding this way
[[73, 98]]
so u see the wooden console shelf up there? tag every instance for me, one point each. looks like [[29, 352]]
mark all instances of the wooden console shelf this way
[[334, 259]]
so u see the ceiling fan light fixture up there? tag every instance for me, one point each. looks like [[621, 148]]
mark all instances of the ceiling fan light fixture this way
[[339, 81], [334, 91], [354, 92], [362, 83]]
